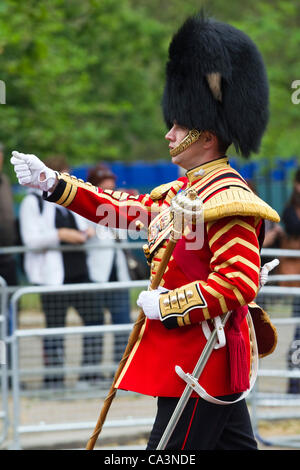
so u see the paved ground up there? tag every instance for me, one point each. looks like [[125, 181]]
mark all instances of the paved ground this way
[[37, 411]]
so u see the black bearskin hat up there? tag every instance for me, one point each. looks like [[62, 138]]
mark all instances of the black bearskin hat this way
[[216, 81]]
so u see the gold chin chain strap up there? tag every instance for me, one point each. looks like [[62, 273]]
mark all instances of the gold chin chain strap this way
[[189, 139]]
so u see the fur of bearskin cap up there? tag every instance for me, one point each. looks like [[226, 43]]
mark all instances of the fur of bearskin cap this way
[[237, 112]]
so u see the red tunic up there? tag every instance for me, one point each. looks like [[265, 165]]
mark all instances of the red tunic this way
[[225, 270], [150, 369]]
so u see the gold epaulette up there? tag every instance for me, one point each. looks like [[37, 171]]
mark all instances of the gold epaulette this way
[[158, 192], [237, 201]]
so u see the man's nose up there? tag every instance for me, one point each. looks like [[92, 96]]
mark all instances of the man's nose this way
[[170, 134]]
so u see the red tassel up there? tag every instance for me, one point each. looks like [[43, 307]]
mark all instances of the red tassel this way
[[239, 371]]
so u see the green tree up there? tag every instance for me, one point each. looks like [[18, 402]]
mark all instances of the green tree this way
[[86, 78], [83, 79]]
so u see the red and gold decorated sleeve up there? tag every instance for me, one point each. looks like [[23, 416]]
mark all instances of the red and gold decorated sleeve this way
[[116, 209], [233, 280]]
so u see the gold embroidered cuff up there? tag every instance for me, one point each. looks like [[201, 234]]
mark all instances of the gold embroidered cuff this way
[[175, 305]]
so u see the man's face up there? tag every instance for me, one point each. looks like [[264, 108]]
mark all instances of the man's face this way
[[189, 157], [175, 135]]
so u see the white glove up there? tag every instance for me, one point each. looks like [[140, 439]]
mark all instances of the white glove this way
[[32, 172], [148, 300], [264, 272]]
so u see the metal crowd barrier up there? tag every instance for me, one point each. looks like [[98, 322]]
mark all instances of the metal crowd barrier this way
[[124, 245], [268, 402], [63, 396], [3, 361], [134, 245], [271, 400]]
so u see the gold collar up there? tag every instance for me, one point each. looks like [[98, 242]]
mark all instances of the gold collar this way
[[195, 174]]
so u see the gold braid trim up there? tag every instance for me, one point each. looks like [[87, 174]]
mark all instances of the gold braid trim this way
[[192, 137]]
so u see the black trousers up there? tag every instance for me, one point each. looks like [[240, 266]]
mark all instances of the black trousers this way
[[8, 270], [205, 426]]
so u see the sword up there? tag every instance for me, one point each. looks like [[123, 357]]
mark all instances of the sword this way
[[205, 354]]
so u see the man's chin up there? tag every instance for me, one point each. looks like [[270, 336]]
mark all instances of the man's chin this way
[[178, 160]]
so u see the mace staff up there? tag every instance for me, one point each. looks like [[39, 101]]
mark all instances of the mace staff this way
[[186, 208]]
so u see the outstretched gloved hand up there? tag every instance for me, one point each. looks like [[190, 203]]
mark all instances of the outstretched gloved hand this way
[[32, 172], [149, 302]]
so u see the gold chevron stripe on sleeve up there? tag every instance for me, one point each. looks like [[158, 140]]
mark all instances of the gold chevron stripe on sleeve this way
[[231, 243], [228, 226], [245, 278], [236, 258], [227, 285], [219, 296]]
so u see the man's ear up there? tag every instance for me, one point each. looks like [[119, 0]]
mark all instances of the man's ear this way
[[209, 139]]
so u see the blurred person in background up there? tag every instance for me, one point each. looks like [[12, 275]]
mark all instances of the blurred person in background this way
[[8, 236], [273, 238], [110, 264], [291, 241], [273, 234], [45, 226], [273, 231]]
